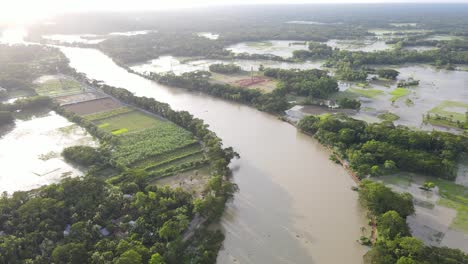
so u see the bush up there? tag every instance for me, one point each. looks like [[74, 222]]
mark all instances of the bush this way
[[81, 155]]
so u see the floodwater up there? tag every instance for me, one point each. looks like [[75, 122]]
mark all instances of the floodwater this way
[[30, 151], [91, 38], [285, 48], [435, 87], [178, 66], [294, 205], [431, 221], [70, 39], [208, 35], [282, 48], [366, 45]]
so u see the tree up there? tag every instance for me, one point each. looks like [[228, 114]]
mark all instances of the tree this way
[[156, 259], [74, 253], [388, 73], [129, 257], [406, 260], [391, 224]]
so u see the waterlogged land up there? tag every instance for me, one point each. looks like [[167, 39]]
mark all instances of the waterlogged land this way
[[441, 215], [438, 89], [165, 64], [30, 151]]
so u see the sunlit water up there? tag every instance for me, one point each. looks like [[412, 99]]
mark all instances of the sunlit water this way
[[176, 65], [30, 151], [14, 35], [282, 48], [294, 205]]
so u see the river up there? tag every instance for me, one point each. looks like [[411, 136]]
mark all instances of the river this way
[[294, 205]]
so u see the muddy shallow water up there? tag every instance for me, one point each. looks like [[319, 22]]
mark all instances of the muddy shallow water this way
[[294, 205]]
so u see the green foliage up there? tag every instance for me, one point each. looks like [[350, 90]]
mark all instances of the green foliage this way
[[225, 68], [346, 72], [139, 146], [82, 155], [316, 51], [314, 83], [389, 117], [381, 199], [391, 224], [349, 103], [398, 93], [388, 73], [73, 253], [433, 153], [28, 103], [20, 65]]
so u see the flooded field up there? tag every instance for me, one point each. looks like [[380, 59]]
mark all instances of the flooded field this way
[[436, 87], [25, 167], [177, 65], [282, 48], [366, 45], [440, 218]]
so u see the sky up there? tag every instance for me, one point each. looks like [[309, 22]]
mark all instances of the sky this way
[[29, 10]]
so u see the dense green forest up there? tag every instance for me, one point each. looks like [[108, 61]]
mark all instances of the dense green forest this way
[[383, 148]]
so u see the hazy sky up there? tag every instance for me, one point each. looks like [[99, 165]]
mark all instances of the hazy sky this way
[[21, 10]]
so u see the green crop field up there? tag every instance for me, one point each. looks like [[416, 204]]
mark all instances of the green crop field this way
[[455, 196], [162, 138], [398, 93], [149, 143], [369, 93], [125, 122], [59, 87], [453, 109]]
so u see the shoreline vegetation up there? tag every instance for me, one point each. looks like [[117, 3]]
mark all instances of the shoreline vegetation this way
[[122, 216], [149, 224]]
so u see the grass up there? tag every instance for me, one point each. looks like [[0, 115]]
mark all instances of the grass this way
[[398, 93], [369, 93], [455, 196], [388, 117], [58, 87], [128, 122], [441, 110]]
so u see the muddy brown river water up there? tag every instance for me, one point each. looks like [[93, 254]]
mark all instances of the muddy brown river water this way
[[294, 205]]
